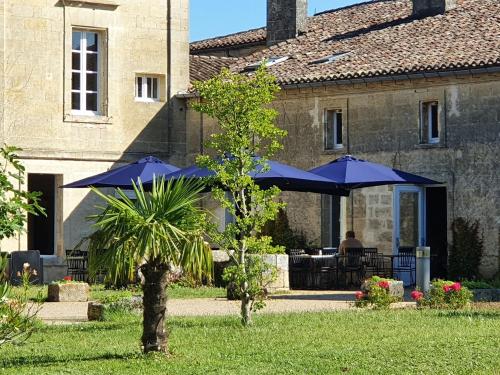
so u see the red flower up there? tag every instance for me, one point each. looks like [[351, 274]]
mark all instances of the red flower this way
[[68, 278], [417, 295], [447, 288], [359, 295], [456, 287], [383, 284]]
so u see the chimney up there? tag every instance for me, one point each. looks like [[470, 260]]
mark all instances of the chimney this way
[[285, 19], [424, 8]]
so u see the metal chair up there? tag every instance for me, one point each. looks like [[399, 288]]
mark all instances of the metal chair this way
[[353, 263], [371, 261], [405, 262], [297, 268], [77, 262]]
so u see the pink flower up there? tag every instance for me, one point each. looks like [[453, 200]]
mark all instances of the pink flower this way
[[456, 287], [359, 295], [417, 295], [383, 284], [68, 278]]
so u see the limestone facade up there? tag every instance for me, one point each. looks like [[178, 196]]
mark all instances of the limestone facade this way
[[147, 38], [382, 123]]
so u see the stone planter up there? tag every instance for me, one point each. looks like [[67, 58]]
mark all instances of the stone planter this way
[[396, 288], [68, 292], [486, 295]]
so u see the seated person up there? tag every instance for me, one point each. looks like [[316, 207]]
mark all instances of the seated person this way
[[349, 243]]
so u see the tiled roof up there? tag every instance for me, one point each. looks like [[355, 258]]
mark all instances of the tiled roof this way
[[202, 68], [383, 39], [232, 40]]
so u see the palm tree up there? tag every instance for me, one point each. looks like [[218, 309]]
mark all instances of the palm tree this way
[[158, 230]]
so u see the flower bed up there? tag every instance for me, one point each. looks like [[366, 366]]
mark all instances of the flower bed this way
[[443, 294], [379, 293]]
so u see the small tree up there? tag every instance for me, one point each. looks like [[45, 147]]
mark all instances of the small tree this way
[[17, 314], [246, 130], [160, 231], [466, 250], [15, 203]]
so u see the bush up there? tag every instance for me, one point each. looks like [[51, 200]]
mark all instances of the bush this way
[[282, 234], [476, 285], [466, 250], [376, 294], [445, 294]]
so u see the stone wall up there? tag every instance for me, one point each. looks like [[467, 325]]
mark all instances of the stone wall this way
[[381, 124], [139, 37]]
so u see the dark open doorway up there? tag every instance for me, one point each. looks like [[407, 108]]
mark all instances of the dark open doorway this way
[[41, 229], [437, 230], [330, 221]]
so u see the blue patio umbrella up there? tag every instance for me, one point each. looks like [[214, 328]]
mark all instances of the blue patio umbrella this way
[[352, 173], [122, 177], [285, 177]]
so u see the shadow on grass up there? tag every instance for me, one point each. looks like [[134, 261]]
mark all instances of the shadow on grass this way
[[47, 360], [473, 314], [347, 296]]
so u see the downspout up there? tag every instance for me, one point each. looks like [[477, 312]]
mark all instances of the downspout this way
[[169, 77], [349, 152]]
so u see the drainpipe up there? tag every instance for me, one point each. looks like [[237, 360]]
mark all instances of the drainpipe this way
[[169, 77]]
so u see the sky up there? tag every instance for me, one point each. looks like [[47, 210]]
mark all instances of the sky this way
[[210, 18]]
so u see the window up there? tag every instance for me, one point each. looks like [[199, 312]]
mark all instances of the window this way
[[273, 60], [147, 89], [333, 129], [429, 122], [330, 58], [85, 78]]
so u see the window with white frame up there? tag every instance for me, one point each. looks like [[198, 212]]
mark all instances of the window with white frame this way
[[147, 88], [333, 129], [429, 122], [85, 67]]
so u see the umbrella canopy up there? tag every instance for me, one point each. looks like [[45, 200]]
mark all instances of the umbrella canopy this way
[[285, 177], [352, 173], [122, 177]]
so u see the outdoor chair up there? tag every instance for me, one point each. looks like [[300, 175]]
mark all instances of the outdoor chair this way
[[371, 261], [298, 268], [405, 263], [322, 273], [77, 262], [353, 264]]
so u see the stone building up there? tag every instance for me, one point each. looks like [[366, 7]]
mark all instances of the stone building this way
[[412, 84], [86, 85]]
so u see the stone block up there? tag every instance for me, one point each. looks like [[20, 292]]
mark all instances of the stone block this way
[[68, 292], [396, 288], [95, 311]]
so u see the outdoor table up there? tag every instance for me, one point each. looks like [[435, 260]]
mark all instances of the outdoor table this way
[[312, 265]]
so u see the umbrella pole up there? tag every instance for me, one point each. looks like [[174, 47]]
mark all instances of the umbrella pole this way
[[352, 210]]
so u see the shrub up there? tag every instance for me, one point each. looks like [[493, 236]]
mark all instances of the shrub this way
[[282, 234], [476, 285], [377, 294], [466, 250], [445, 294]]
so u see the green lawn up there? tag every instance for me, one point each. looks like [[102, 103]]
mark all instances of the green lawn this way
[[99, 293], [354, 342]]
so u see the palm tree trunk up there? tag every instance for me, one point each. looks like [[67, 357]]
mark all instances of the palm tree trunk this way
[[154, 333]]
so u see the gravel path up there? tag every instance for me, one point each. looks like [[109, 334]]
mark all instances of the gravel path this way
[[295, 301]]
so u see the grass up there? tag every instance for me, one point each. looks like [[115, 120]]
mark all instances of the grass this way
[[353, 342], [100, 294]]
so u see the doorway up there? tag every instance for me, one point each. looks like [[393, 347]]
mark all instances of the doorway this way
[[436, 229], [41, 229], [331, 223], [409, 222]]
